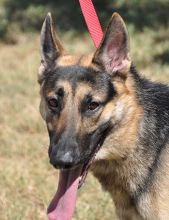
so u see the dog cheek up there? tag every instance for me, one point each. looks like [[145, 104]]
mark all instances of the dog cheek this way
[[119, 111], [103, 154], [107, 113], [114, 112]]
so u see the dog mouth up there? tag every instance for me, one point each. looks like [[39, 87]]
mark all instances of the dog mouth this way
[[70, 180], [87, 165]]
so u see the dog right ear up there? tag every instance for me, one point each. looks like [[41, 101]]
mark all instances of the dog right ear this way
[[51, 48], [113, 54]]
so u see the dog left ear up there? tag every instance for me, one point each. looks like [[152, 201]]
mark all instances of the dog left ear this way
[[113, 53], [51, 48]]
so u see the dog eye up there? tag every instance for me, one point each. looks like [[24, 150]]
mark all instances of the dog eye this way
[[53, 103], [93, 105]]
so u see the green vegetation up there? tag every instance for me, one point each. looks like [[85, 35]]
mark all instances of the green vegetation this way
[[27, 181], [22, 15]]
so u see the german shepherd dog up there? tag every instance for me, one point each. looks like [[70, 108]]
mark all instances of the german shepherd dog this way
[[102, 114]]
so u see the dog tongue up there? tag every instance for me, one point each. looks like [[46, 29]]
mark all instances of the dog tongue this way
[[63, 203]]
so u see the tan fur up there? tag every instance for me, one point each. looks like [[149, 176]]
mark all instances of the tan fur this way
[[67, 60], [126, 111], [84, 61], [155, 203], [61, 122]]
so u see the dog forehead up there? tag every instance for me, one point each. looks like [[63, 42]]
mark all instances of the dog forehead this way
[[72, 72], [76, 79]]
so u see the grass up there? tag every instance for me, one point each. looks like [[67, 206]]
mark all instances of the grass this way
[[27, 181]]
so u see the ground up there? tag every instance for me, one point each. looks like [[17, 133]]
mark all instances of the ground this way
[[27, 180]]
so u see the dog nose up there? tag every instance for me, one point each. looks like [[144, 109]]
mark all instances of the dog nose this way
[[64, 161]]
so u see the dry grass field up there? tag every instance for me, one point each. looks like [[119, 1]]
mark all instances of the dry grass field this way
[[27, 181]]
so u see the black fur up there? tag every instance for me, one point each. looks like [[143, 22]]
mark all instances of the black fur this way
[[154, 135]]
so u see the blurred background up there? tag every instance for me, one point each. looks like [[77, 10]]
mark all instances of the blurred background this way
[[27, 181]]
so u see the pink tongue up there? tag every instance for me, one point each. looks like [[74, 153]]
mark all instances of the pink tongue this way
[[63, 203]]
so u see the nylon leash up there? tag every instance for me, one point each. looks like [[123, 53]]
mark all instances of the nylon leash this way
[[92, 21]]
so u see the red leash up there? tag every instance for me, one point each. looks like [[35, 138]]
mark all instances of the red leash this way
[[92, 21]]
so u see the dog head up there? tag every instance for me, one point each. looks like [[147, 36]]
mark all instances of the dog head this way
[[85, 100]]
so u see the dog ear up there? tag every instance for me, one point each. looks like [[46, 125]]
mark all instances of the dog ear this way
[[51, 48], [113, 53]]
